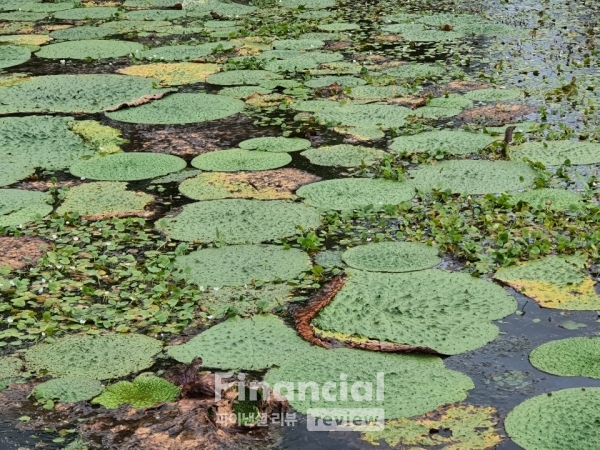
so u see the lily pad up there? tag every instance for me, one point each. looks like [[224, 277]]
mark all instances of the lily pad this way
[[23, 16], [241, 77], [81, 33], [100, 357], [559, 420], [103, 200], [494, 95], [573, 357], [308, 4], [145, 391], [181, 109], [552, 199], [239, 221], [554, 153], [343, 155], [449, 106], [68, 389], [334, 79], [103, 138], [128, 166], [346, 194], [94, 49], [339, 26], [442, 142], [174, 74], [377, 92], [275, 144], [76, 93], [246, 301], [33, 40], [238, 159], [262, 185], [240, 265], [154, 14], [13, 55], [202, 8], [183, 52], [298, 44], [465, 427], [474, 177], [447, 312], [94, 12], [14, 169], [553, 282], [392, 257], [18, 207], [416, 71], [374, 117]]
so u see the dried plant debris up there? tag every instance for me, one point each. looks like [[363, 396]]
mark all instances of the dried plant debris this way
[[554, 153], [496, 115], [447, 312], [77, 93], [557, 420], [473, 177], [181, 109], [343, 155], [238, 159], [128, 166], [102, 200], [573, 357], [455, 427], [173, 74], [442, 142], [279, 184], [392, 257], [241, 265], [554, 282], [355, 193], [100, 357], [239, 221], [19, 252]]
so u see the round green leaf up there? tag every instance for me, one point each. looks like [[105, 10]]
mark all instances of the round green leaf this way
[[392, 257], [573, 357], [241, 77], [94, 12], [554, 153], [18, 207], [238, 159], [343, 155], [275, 144], [13, 55], [442, 142], [68, 389], [94, 49]]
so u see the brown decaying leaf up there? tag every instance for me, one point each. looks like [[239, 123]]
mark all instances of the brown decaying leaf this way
[[496, 115], [412, 102], [45, 185], [17, 253], [454, 87], [338, 45]]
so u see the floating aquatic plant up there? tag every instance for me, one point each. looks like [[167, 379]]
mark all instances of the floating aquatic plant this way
[[128, 166], [92, 48], [145, 391], [573, 357], [68, 389], [239, 159], [392, 257], [275, 144]]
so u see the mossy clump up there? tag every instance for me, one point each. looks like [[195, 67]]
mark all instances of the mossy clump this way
[[145, 391]]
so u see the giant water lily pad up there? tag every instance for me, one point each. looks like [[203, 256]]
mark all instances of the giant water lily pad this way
[[554, 153], [355, 193], [103, 138], [392, 257], [246, 301], [343, 155], [553, 282], [76, 93], [552, 199], [447, 312], [298, 44], [181, 109], [136, 26], [474, 177], [239, 265], [573, 357], [154, 14], [416, 71], [81, 33], [565, 419], [441, 142], [96, 12], [377, 92], [18, 207], [68, 389], [97, 201], [263, 185], [202, 8], [494, 95], [174, 74], [308, 4], [347, 81], [449, 106], [13, 55], [44, 142], [465, 427], [23, 16], [241, 77], [14, 169], [26, 39], [239, 221], [239, 159], [183, 52], [92, 48], [100, 357], [128, 166], [145, 391], [275, 144]]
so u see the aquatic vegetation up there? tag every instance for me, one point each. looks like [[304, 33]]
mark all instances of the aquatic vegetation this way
[[415, 71], [145, 391], [275, 144], [241, 77], [103, 200], [556, 420], [13, 55], [442, 142], [474, 177], [239, 221], [173, 74], [241, 265], [572, 357], [154, 14], [494, 95], [343, 155], [18, 206], [447, 312], [392, 257], [355, 193], [14, 169], [92, 48], [128, 166], [246, 301], [180, 109], [183, 52], [82, 33], [10, 367], [100, 357], [238, 159], [554, 153], [68, 389], [552, 199], [346, 81], [104, 139], [94, 12]]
